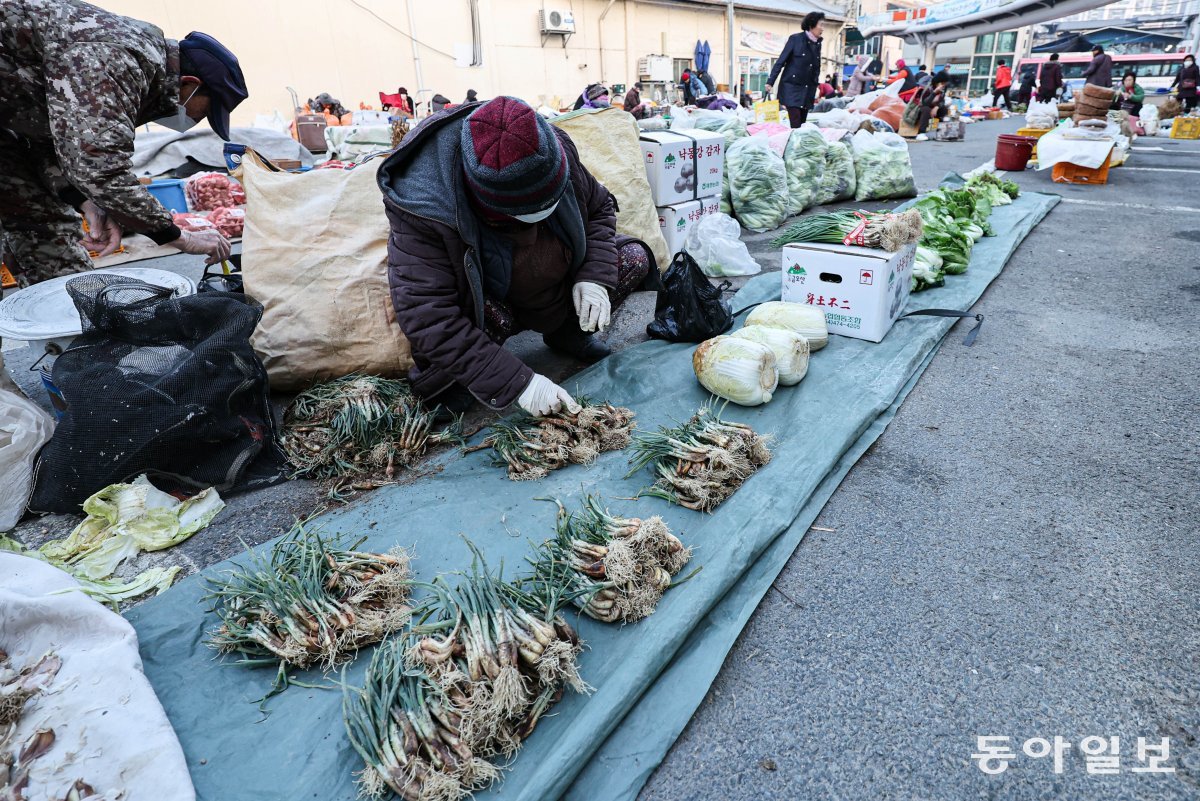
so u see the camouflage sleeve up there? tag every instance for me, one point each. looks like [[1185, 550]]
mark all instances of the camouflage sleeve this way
[[93, 92]]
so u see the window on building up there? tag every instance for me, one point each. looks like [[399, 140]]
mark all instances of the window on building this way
[[982, 66], [1006, 42], [985, 43], [980, 86], [754, 72], [680, 64]]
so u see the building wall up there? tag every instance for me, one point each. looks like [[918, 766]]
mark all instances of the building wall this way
[[980, 55], [353, 49]]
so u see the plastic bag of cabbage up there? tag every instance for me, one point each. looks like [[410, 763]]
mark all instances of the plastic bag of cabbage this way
[[757, 184], [728, 125], [882, 167], [804, 158], [837, 181]]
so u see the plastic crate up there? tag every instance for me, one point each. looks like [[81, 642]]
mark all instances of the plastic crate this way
[[170, 194], [1185, 128], [1036, 133], [1066, 173]]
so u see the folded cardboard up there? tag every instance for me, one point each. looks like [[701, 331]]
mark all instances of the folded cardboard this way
[[861, 290], [683, 165], [677, 220]]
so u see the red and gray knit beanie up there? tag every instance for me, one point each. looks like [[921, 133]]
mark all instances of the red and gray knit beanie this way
[[512, 159]]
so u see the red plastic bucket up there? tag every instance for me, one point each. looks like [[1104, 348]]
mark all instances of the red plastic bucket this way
[[1013, 152]]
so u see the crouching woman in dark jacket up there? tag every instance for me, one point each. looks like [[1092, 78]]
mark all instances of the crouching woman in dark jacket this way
[[800, 65], [496, 227]]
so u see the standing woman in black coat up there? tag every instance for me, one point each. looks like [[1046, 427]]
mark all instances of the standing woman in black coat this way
[[800, 65]]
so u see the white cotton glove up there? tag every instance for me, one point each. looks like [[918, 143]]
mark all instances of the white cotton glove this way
[[204, 243], [592, 306], [543, 396]]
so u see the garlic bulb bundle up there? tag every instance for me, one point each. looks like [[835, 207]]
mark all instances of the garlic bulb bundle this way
[[790, 349], [807, 321], [737, 370]]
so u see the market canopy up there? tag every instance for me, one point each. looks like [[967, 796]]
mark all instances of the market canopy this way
[[1072, 43]]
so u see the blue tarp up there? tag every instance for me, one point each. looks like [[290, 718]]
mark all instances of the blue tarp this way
[[649, 677]]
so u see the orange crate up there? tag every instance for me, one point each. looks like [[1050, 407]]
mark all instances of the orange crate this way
[[1066, 173], [6, 278]]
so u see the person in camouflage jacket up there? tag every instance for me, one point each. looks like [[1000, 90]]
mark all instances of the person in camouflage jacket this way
[[75, 82]]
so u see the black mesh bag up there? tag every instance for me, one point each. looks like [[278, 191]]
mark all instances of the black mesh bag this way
[[162, 385]]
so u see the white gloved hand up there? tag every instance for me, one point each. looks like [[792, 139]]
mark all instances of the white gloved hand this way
[[592, 305], [203, 243], [543, 396]]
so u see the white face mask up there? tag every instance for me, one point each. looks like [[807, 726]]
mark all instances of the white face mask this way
[[179, 121]]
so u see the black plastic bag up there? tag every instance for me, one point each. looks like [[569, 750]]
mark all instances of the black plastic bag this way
[[162, 385], [690, 309]]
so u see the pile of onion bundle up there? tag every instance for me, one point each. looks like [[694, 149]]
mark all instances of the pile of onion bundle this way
[[501, 653], [885, 230], [530, 447], [360, 429], [702, 462], [309, 601], [619, 568], [408, 732]]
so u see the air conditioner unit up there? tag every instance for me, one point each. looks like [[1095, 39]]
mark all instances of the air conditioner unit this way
[[556, 21]]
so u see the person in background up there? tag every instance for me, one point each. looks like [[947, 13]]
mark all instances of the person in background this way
[[633, 101], [406, 102], [825, 89], [923, 77], [497, 227], [1025, 90], [908, 82], [1052, 80], [76, 82], [800, 67], [1002, 85], [439, 102], [876, 69], [747, 101], [472, 96], [1186, 81], [933, 103], [1099, 71], [832, 80], [693, 87], [596, 96], [1130, 96], [706, 80], [861, 78]]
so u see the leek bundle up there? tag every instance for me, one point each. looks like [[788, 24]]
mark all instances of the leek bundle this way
[[619, 568], [408, 732], [884, 230], [309, 601], [702, 462], [531, 447], [360, 429]]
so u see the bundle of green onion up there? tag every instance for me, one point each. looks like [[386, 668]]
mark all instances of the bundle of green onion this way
[[309, 601], [530, 447], [885, 230], [408, 732], [702, 462], [359, 428], [619, 567], [500, 651], [17, 687]]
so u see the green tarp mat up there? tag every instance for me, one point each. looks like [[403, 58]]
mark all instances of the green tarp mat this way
[[649, 676]]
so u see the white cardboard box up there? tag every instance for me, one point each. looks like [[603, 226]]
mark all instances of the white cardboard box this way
[[676, 221], [862, 290], [683, 165]]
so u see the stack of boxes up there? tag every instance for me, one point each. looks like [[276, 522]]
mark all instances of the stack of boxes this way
[[685, 170]]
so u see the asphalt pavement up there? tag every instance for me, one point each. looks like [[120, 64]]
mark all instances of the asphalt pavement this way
[[1015, 557]]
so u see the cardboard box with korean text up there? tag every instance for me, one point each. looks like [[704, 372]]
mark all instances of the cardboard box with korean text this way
[[676, 221], [861, 290], [683, 165]]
